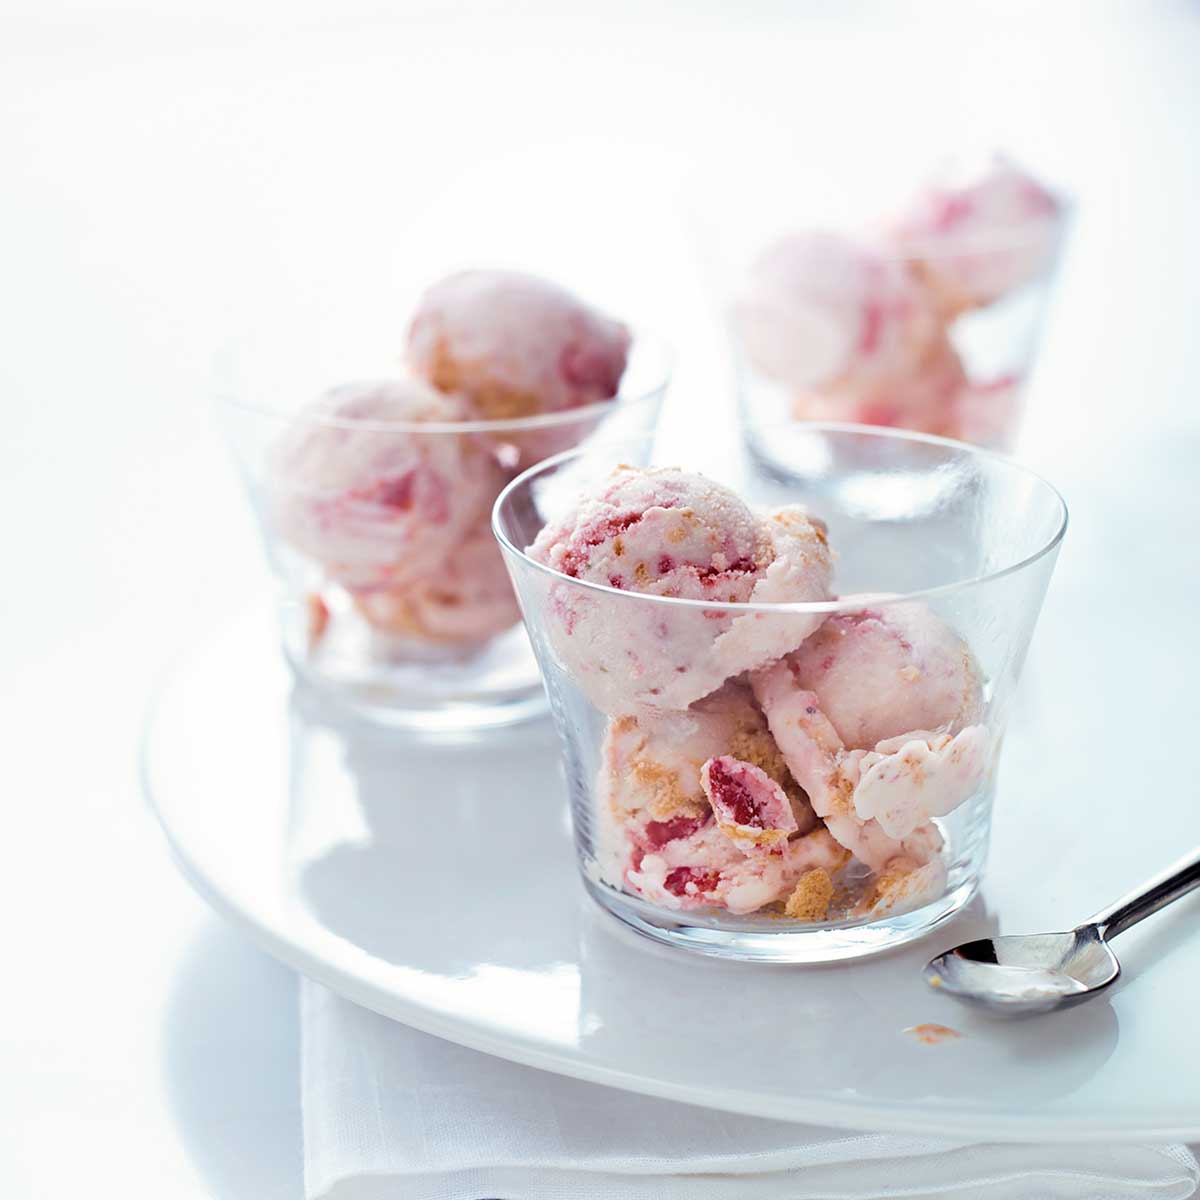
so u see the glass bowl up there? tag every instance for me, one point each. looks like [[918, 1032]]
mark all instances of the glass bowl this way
[[887, 756], [965, 376], [350, 537]]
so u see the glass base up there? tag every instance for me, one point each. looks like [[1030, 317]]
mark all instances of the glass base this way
[[407, 684], [764, 939]]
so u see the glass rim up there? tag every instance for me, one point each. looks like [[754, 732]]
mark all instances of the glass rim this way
[[663, 366], [852, 603]]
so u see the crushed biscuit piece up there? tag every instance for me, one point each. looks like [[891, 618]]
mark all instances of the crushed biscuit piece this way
[[758, 747], [668, 797], [930, 1034], [810, 898], [892, 884]]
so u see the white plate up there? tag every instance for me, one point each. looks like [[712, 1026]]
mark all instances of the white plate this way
[[436, 884]]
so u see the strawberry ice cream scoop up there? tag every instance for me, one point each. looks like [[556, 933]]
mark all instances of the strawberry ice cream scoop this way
[[469, 599], [830, 774], [513, 345], [356, 484], [818, 307], [665, 532], [661, 533], [884, 671], [979, 231], [873, 714]]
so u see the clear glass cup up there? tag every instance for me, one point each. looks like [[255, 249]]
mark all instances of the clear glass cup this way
[[966, 383], [448, 652], [929, 534], [964, 379]]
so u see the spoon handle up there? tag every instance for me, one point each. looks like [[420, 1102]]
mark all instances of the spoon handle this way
[[1177, 880]]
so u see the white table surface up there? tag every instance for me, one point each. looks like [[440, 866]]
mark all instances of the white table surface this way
[[172, 171]]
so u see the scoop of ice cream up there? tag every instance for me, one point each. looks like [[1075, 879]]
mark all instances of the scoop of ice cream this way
[[355, 485], [514, 345], [816, 307], [884, 671], [829, 773], [468, 599], [979, 231], [659, 532], [665, 532]]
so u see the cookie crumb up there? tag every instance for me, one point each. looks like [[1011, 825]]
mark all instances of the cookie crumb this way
[[931, 1034], [810, 898]]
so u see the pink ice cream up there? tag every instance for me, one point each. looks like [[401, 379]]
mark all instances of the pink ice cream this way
[[707, 870], [658, 834], [822, 307], [358, 487], [746, 763], [884, 671], [668, 533], [979, 232], [513, 345], [469, 599], [750, 808], [653, 760], [873, 716], [931, 398], [863, 329]]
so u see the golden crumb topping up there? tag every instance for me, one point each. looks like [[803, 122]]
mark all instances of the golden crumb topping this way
[[892, 884], [757, 747], [494, 400], [810, 898], [668, 797]]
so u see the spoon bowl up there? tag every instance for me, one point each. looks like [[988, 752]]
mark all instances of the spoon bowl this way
[[1040, 972], [1019, 976]]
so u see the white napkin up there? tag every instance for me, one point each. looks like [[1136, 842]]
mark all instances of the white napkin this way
[[392, 1114]]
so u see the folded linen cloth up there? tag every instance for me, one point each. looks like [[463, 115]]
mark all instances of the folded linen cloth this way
[[393, 1114]]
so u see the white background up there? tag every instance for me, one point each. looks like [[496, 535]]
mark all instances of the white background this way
[[172, 174]]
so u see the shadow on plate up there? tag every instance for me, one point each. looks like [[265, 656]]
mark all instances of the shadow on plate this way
[[840, 1030], [395, 838]]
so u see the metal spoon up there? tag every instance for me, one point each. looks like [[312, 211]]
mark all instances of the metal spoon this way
[[1020, 976]]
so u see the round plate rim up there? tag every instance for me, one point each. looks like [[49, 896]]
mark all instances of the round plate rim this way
[[519, 1049]]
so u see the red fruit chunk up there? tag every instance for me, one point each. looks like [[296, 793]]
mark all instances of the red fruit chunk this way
[[658, 833], [677, 881], [745, 795]]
